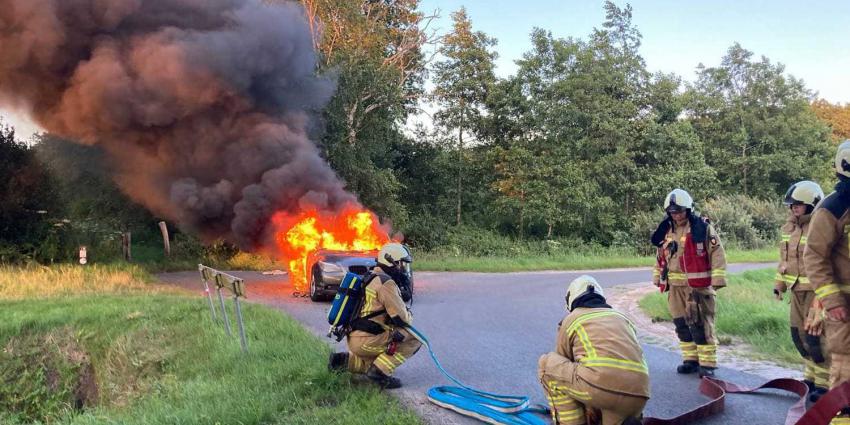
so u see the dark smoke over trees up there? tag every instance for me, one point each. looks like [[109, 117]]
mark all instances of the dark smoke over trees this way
[[202, 106]]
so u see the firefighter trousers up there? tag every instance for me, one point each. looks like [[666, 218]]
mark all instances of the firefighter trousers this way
[[365, 350], [692, 310], [838, 341], [570, 400], [811, 348]]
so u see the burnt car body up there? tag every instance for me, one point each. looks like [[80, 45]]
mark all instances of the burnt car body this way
[[327, 268]]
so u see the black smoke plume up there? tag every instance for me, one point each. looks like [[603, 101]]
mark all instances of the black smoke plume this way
[[202, 106]]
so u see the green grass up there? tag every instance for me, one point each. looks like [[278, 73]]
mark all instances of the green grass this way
[[745, 309], [158, 359], [580, 260]]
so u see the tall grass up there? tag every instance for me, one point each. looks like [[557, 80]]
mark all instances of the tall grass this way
[[745, 309], [159, 359], [35, 281]]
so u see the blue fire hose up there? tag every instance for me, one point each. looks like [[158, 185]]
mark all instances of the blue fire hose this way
[[487, 407]]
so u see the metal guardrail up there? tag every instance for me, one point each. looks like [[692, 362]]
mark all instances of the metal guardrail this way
[[235, 286]]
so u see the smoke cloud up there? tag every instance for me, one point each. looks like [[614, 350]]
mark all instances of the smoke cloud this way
[[202, 106]]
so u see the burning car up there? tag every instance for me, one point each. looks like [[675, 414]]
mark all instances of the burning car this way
[[327, 268]]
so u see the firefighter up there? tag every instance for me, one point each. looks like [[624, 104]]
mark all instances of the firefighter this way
[[806, 324], [379, 342], [598, 370], [827, 261], [691, 266]]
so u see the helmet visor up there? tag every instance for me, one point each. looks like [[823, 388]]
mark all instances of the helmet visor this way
[[673, 209]]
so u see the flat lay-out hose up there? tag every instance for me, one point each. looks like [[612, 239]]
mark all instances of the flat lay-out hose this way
[[484, 406]]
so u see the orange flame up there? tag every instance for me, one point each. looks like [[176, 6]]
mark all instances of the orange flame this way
[[354, 229]]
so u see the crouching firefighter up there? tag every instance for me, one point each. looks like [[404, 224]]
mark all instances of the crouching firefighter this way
[[806, 313], [379, 342], [598, 371], [691, 265]]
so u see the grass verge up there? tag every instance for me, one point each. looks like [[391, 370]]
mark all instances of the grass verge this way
[[130, 353], [580, 260], [748, 296]]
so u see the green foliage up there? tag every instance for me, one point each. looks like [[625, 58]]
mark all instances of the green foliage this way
[[744, 221], [761, 131], [748, 295]]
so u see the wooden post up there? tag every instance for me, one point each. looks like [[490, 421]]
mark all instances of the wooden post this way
[[164, 229], [125, 246]]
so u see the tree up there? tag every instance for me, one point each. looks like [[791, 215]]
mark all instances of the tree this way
[[29, 206], [837, 116], [758, 126], [462, 81]]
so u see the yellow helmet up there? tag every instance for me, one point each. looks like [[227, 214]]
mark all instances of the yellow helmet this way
[[580, 286], [393, 253], [678, 199], [804, 192], [842, 159]]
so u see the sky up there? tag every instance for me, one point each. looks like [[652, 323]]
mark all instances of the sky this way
[[810, 38]]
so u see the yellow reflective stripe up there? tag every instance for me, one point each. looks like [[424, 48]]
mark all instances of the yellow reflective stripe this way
[[399, 358], [570, 414], [803, 240], [616, 363], [370, 296], [674, 275], [386, 362], [718, 273], [840, 421], [827, 290], [804, 279], [655, 272], [785, 237], [587, 317], [779, 277], [585, 342]]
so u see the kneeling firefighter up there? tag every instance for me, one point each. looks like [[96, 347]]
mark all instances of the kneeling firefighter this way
[[691, 265], [806, 314], [378, 342], [598, 370]]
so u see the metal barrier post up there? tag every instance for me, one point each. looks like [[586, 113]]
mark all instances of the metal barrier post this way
[[219, 285], [205, 278], [224, 281]]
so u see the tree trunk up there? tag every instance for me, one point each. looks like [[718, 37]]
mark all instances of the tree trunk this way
[[549, 231], [165, 242], [459, 167], [744, 165]]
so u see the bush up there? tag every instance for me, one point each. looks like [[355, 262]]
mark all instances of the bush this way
[[745, 222]]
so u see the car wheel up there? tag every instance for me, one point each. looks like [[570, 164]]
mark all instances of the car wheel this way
[[314, 286]]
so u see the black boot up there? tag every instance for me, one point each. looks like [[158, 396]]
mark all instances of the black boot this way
[[382, 379], [688, 366], [338, 362], [631, 420], [816, 394], [706, 371], [810, 384]]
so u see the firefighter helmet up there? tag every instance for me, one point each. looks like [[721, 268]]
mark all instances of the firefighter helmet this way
[[581, 286], [394, 253], [842, 159], [678, 200], [804, 192]]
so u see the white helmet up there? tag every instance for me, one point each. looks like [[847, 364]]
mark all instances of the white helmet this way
[[678, 198], [804, 192], [842, 159], [580, 286], [394, 253]]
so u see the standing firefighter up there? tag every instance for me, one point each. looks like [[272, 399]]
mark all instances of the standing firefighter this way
[[598, 370], [806, 323], [691, 265], [827, 262], [379, 342]]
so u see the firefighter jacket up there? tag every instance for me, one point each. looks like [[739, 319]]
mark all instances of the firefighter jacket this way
[[791, 273], [604, 343], [676, 276], [827, 254], [382, 294]]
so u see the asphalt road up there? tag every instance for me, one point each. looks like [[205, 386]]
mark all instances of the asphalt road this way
[[489, 330]]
